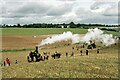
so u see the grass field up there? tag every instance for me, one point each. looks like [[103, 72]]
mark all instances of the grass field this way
[[45, 31], [39, 31], [18, 42], [102, 65]]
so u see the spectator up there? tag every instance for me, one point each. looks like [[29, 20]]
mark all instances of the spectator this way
[[4, 63], [98, 50], [16, 62], [8, 61], [86, 52], [66, 54], [81, 52]]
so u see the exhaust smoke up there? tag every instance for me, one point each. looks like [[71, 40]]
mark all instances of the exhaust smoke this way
[[61, 37], [92, 34]]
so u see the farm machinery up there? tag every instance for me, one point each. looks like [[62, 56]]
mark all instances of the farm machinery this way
[[34, 56]]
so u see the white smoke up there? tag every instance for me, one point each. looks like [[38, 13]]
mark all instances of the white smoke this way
[[107, 39], [61, 37], [92, 34], [98, 36]]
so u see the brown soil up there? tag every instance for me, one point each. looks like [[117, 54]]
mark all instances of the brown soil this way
[[11, 42], [20, 42]]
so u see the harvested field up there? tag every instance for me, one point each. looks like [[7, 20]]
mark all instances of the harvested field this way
[[102, 65], [11, 42]]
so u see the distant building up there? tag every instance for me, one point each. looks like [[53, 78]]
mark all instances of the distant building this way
[[62, 26], [68, 26]]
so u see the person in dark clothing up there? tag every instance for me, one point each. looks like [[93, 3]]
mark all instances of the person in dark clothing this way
[[83, 46], [28, 58], [45, 53], [44, 57], [53, 56], [4, 63], [72, 47], [72, 54], [90, 42], [36, 50], [16, 62], [41, 58], [66, 54], [56, 55], [98, 50], [86, 52], [47, 57], [81, 52]]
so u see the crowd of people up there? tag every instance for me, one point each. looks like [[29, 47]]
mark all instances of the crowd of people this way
[[46, 55], [7, 62]]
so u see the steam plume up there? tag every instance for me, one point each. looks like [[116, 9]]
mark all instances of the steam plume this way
[[61, 37], [92, 34]]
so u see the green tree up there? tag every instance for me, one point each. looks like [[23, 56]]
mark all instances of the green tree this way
[[72, 25]]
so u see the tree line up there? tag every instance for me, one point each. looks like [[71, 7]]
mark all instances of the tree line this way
[[51, 25]]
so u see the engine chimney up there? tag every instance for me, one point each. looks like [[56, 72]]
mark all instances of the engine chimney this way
[[36, 49]]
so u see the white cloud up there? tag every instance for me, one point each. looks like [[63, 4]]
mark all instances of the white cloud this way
[[107, 8], [59, 11]]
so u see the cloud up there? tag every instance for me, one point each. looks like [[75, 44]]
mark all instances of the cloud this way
[[105, 7], [33, 8], [28, 9], [112, 11], [58, 11]]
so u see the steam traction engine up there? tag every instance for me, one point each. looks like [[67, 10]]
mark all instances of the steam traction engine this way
[[34, 56]]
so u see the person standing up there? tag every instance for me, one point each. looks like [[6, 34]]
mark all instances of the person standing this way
[[72, 47], [86, 52], [83, 46], [81, 52], [8, 61], [4, 63], [98, 51], [16, 62], [72, 54], [66, 54]]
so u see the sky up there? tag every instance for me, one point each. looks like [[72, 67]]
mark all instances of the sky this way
[[59, 11]]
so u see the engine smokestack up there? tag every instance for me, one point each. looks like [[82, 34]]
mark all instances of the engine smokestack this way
[[36, 50]]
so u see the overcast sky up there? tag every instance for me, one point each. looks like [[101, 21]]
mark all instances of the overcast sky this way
[[58, 11]]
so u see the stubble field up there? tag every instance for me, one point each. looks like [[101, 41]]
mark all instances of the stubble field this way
[[17, 45]]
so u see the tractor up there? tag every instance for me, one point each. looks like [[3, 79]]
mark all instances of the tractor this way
[[34, 56]]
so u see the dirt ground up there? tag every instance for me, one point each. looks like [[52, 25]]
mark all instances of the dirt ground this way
[[11, 42], [92, 66]]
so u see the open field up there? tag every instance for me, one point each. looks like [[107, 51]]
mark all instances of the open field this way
[[11, 42], [39, 31], [22, 37], [45, 31], [102, 65]]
